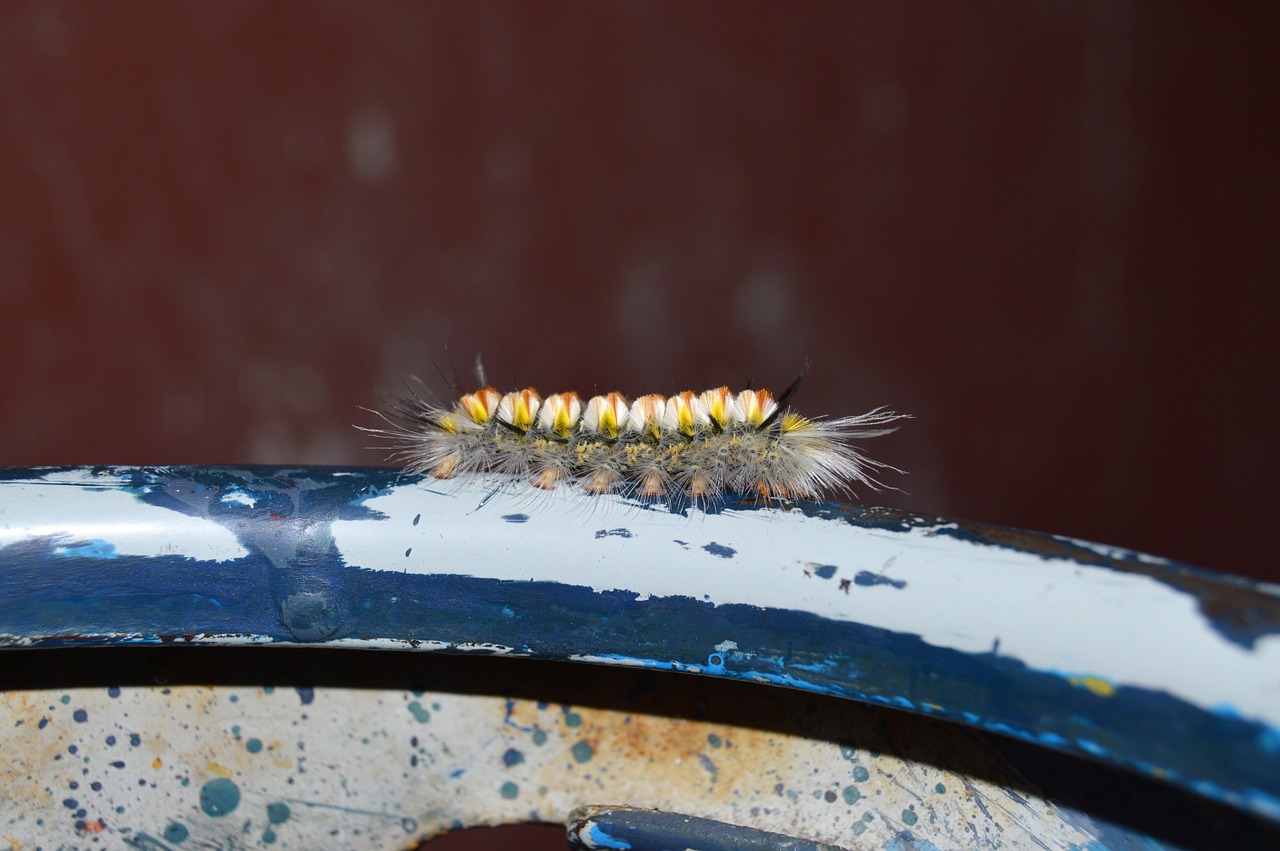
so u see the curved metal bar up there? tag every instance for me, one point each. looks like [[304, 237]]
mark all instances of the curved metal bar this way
[[1133, 660]]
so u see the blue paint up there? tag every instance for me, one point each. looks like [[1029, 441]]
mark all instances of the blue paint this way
[[135, 739], [600, 839], [92, 549], [720, 550], [113, 691], [219, 797], [614, 533], [512, 757], [306, 694], [824, 571], [866, 579], [516, 518], [278, 813], [905, 841], [176, 833], [80, 716]]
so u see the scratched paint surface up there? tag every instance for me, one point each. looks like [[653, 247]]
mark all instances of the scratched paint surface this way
[[235, 766], [1078, 647]]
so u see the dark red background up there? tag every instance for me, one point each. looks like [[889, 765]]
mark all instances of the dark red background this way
[[1049, 230]]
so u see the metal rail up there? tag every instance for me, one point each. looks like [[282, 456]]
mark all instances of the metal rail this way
[[1149, 666]]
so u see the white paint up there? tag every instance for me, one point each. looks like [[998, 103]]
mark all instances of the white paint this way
[[1052, 614], [72, 506], [238, 498]]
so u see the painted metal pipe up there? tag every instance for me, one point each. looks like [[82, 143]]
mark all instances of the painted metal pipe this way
[[1147, 664]]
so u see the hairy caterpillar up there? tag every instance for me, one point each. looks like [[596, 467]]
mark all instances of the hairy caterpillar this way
[[690, 446]]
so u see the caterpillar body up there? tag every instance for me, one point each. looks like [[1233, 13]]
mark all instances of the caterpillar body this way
[[698, 447]]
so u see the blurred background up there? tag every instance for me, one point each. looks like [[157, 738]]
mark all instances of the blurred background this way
[[1050, 231]]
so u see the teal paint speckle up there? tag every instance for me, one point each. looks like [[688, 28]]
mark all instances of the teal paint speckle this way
[[572, 719], [219, 797], [714, 740], [582, 751], [278, 813], [848, 752], [176, 833], [268, 689], [909, 817], [512, 757], [268, 836], [859, 828], [510, 791], [66, 698], [860, 773], [940, 789], [419, 712], [253, 745], [235, 730], [539, 737], [851, 795]]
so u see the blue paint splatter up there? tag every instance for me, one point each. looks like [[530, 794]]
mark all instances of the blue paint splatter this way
[[306, 694], [823, 571], [219, 797], [80, 716], [866, 579], [278, 813], [720, 550], [614, 533], [113, 691], [176, 833], [516, 518], [253, 745], [582, 751], [419, 713], [512, 757], [510, 790], [134, 740]]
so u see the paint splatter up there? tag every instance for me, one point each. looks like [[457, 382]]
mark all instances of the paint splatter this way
[[720, 550], [419, 712], [582, 751], [512, 757], [176, 833], [860, 773], [510, 791], [866, 579], [851, 795], [278, 813], [614, 533], [219, 797]]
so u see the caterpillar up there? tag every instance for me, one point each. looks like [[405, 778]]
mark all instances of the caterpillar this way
[[691, 446]]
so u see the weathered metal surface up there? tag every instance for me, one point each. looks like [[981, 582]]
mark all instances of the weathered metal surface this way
[[1131, 660], [229, 748]]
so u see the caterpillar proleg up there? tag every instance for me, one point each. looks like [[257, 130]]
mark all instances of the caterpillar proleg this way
[[698, 447]]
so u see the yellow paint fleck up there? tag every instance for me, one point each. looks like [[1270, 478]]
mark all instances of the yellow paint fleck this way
[[220, 770], [1097, 685], [14, 843], [156, 763]]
